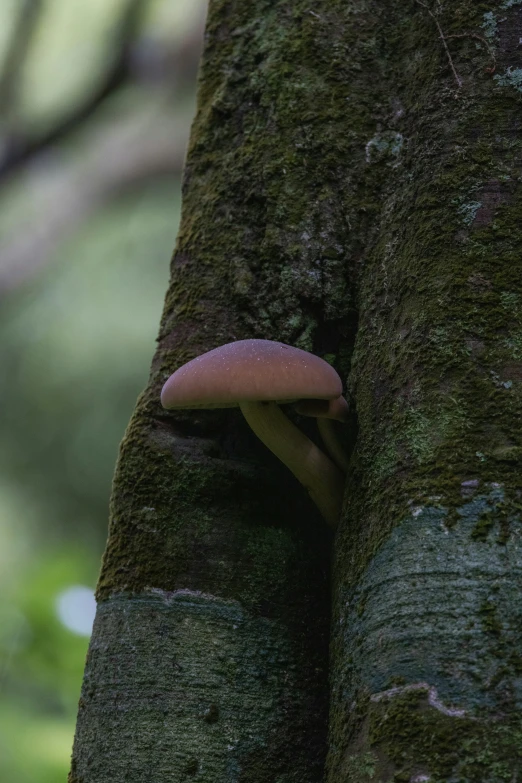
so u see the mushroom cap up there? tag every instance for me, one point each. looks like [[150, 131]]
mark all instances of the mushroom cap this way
[[337, 409], [250, 371]]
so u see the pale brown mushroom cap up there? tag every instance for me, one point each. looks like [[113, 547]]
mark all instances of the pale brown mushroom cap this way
[[250, 371]]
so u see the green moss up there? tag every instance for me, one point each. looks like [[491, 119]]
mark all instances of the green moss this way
[[412, 738], [361, 767], [488, 615], [211, 495], [483, 527]]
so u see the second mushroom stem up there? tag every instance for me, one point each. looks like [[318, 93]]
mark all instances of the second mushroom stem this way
[[326, 429], [317, 473]]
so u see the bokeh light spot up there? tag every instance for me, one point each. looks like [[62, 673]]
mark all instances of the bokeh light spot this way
[[76, 607]]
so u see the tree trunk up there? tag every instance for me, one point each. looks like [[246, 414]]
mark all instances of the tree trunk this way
[[352, 159], [210, 648], [427, 626]]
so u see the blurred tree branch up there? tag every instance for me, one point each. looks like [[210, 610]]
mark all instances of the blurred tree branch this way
[[62, 189], [62, 194], [127, 65], [29, 14]]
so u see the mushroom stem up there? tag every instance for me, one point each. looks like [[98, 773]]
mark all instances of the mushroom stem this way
[[318, 474], [326, 428]]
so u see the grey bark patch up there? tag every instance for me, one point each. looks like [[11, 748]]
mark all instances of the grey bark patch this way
[[438, 605], [179, 686]]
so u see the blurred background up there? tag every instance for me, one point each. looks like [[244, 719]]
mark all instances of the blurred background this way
[[96, 101]]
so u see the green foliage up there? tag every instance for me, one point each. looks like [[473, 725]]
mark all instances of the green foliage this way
[[77, 344], [41, 665], [76, 348]]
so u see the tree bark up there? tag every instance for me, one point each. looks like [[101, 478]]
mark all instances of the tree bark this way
[[427, 625], [210, 648]]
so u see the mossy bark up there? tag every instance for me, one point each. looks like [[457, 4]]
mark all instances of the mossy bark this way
[[427, 625], [210, 648]]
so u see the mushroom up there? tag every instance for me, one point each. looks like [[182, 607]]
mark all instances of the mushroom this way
[[327, 411], [256, 375]]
